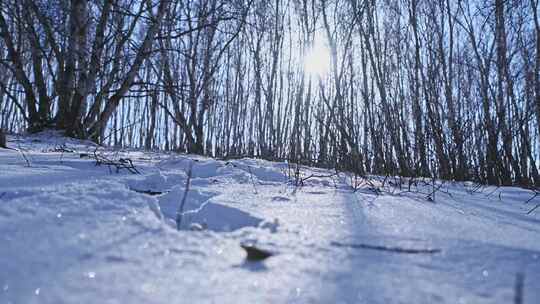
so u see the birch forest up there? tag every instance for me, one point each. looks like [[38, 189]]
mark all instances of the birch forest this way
[[445, 89]]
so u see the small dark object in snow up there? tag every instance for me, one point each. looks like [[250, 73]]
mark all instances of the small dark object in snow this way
[[255, 254], [84, 155], [148, 192]]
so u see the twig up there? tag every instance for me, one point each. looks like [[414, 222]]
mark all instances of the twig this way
[[536, 193], [385, 248], [302, 180], [435, 189], [122, 163], [496, 188], [180, 211], [532, 210], [112, 132], [474, 189], [297, 176], [371, 186], [20, 150], [252, 180], [62, 149], [384, 180]]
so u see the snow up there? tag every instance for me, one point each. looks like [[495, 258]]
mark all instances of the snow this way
[[74, 232]]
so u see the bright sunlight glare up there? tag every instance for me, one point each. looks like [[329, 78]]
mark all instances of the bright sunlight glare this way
[[317, 59]]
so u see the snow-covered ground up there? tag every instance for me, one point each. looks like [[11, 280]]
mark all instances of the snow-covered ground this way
[[74, 232]]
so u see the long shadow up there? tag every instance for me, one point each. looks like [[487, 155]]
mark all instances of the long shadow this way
[[516, 216]]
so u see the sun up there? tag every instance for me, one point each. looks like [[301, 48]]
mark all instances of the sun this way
[[317, 58]]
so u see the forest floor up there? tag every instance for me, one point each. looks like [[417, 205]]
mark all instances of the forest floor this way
[[75, 232]]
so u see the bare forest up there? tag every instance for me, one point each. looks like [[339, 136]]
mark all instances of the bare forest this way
[[445, 89]]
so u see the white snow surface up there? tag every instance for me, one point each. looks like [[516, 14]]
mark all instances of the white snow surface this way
[[74, 232]]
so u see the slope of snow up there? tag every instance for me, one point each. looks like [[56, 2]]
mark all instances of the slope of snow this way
[[74, 232]]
